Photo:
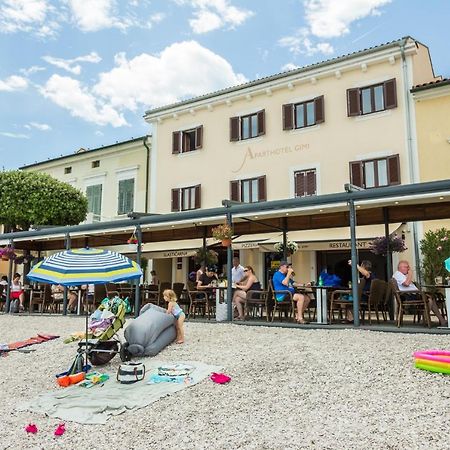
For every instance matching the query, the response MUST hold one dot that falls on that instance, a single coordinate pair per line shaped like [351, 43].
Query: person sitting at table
[237, 271]
[154, 279]
[248, 283]
[200, 271]
[207, 279]
[281, 282]
[403, 277]
[3, 285]
[17, 291]
[58, 295]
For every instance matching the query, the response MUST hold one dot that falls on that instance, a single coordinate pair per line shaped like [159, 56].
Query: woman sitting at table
[248, 283]
[365, 275]
[58, 295]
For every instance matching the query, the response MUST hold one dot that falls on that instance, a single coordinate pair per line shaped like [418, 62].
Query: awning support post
[284, 239]
[229, 274]
[68, 244]
[8, 288]
[137, 292]
[388, 259]
[354, 257]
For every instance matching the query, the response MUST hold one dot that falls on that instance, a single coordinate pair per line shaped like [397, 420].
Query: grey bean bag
[151, 332]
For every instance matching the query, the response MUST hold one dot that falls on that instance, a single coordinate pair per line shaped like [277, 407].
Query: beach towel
[96, 405]
[31, 341]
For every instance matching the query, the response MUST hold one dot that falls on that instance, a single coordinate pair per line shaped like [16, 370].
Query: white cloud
[38, 126]
[301, 43]
[27, 16]
[31, 70]
[144, 81]
[14, 135]
[149, 81]
[331, 18]
[13, 83]
[289, 66]
[211, 15]
[157, 17]
[70, 64]
[69, 94]
[99, 133]
[94, 15]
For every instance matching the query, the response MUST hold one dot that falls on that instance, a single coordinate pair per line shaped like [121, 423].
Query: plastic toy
[433, 360]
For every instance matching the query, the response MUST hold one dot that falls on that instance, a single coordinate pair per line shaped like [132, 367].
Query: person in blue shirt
[281, 282]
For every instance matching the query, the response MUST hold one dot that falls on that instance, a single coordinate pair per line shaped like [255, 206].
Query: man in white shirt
[403, 277]
[237, 272]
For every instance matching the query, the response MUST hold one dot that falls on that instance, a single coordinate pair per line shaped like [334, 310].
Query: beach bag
[221, 312]
[130, 372]
[14, 306]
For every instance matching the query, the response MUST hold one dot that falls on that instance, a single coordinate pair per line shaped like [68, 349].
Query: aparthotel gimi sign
[251, 155]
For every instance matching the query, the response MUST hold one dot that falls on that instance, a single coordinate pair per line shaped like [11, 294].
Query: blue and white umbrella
[82, 266]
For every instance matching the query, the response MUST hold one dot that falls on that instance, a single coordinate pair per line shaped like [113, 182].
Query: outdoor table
[321, 294]
[446, 289]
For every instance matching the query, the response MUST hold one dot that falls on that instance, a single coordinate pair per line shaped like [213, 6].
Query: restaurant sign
[171, 254]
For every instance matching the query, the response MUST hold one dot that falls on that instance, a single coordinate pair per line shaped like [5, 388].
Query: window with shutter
[234, 191]
[198, 201]
[356, 173]
[353, 102]
[262, 193]
[319, 110]
[94, 198]
[125, 196]
[393, 169]
[390, 94]
[288, 116]
[305, 183]
[176, 199]
[261, 123]
[176, 142]
[199, 137]
[234, 129]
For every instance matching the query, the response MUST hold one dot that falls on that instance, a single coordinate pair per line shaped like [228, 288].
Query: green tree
[435, 248]
[32, 198]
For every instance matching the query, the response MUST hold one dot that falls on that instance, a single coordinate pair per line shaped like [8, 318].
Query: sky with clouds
[81, 73]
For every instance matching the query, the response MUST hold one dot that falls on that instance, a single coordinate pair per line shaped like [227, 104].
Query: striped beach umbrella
[85, 266]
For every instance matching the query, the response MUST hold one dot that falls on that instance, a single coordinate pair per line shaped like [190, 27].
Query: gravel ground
[290, 389]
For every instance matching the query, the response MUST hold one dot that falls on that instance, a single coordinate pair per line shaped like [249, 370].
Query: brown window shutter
[311, 186]
[288, 116]
[393, 167]
[390, 94]
[175, 200]
[262, 195]
[234, 128]
[234, 191]
[356, 173]
[198, 199]
[176, 141]
[261, 122]
[300, 186]
[319, 109]
[199, 137]
[353, 102]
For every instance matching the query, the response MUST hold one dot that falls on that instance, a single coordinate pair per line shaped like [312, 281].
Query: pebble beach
[291, 389]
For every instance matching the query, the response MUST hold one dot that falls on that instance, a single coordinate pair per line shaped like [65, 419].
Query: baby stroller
[102, 344]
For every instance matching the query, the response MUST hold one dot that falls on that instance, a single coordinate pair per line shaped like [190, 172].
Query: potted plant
[223, 233]
[206, 257]
[435, 249]
[379, 246]
[7, 253]
[291, 247]
[132, 241]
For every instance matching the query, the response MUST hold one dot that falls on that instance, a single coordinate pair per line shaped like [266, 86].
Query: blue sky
[81, 73]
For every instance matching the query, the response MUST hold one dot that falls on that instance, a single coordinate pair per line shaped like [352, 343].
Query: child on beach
[174, 309]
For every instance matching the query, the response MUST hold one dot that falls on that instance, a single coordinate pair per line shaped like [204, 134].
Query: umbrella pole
[87, 318]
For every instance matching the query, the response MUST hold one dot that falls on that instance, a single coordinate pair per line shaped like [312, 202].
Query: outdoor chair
[439, 298]
[40, 297]
[286, 306]
[256, 302]
[199, 300]
[339, 302]
[376, 300]
[403, 302]
[150, 295]
[112, 290]
[183, 298]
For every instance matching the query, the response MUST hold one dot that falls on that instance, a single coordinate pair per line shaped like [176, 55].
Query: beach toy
[67, 380]
[220, 378]
[433, 360]
[31, 428]
[60, 429]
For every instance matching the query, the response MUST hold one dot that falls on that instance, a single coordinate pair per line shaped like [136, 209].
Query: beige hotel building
[304, 132]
